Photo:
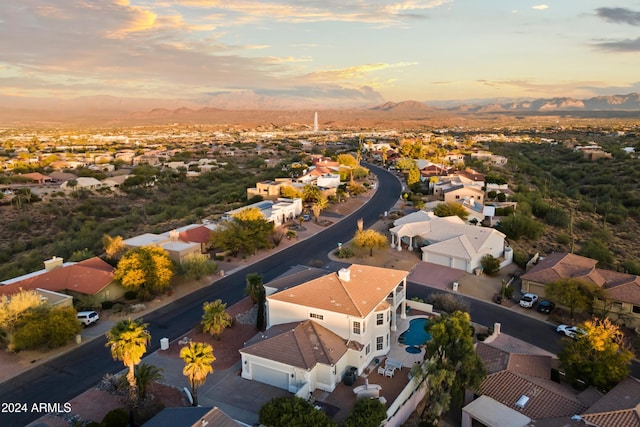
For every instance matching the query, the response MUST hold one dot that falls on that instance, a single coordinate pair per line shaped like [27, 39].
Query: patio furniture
[389, 372]
[393, 363]
[381, 370]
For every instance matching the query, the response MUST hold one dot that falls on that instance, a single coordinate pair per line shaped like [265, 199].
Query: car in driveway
[528, 300]
[570, 331]
[88, 318]
[546, 306]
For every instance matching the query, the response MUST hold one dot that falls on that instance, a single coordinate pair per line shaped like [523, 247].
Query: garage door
[270, 376]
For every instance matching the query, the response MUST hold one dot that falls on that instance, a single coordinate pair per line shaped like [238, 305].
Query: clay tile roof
[200, 234]
[622, 287]
[496, 359]
[358, 296]
[307, 344]
[546, 398]
[619, 407]
[87, 277]
[564, 266]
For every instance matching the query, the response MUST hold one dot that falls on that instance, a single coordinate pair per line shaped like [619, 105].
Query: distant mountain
[630, 102]
[403, 107]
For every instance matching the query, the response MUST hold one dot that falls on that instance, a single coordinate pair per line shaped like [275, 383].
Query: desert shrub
[631, 267]
[502, 197]
[490, 264]
[520, 258]
[130, 295]
[448, 303]
[586, 225]
[344, 252]
[118, 417]
[557, 217]
[106, 305]
[563, 239]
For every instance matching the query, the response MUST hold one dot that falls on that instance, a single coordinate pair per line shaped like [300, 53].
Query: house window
[356, 328]
[636, 309]
[367, 349]
[316, 316]
[379, 343]
[379, 319]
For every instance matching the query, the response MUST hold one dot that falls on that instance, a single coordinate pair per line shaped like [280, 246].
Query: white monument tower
[315, 122]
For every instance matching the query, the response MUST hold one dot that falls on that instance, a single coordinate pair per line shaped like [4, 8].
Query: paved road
[61, 379]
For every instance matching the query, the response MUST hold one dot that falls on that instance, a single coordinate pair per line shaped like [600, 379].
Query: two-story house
[320, 329]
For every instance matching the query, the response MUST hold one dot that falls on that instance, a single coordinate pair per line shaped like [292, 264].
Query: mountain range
[255, 109]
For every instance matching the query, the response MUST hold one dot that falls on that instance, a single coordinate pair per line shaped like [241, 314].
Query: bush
[521, 259]
[490, 264]
[106, 305]
[130, 295]
[118, 417]
[344, 252]
[448, 303]
[563, 239]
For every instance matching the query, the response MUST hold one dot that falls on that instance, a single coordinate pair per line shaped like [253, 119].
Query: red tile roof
[200, 234]
[360, 295]
[617, 408]
[307, 344]
[87, 277]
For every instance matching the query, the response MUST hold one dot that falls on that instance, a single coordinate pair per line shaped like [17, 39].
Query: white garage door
[270, 376]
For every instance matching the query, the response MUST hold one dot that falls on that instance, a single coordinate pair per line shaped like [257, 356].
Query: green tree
[347, 160]
[405, 164]
[292, 412]
[147, 270]
[127, 340]
[366, 413]
[311, 193]
[596, 357]
[46, 326]
[451, 209]
[196, 266]
[253, 286]
[596, 249]
[81, 255]
[518, 225]
[145, 375]
[215, 318]
[247, 233]
[490, 264]
[198, 363]
[260, 317]
[370, 239]
[452, 350]
[437, 381]
[575, 294]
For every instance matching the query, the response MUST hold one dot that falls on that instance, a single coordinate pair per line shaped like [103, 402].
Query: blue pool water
[415, 335]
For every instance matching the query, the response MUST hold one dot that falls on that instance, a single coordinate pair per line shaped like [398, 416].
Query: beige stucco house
[622, 303]
[317, 330]
[448, 241]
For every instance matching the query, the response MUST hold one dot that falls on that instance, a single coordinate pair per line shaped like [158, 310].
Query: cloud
[355, 72]
[628, 45]
[540, 7]
[374, 12]
[619, 15]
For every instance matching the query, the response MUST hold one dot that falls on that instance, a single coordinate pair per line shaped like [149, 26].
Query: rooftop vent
[522, 402]
[344, 274]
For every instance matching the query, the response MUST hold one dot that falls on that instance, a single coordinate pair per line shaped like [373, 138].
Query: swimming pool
[415, 335]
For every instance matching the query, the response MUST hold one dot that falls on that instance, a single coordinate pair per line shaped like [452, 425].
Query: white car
[569, 331]
[88, 317]
[528, 300]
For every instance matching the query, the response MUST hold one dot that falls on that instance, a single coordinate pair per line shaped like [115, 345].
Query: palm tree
[215, 318]
[128, 341]
[319, 205]
[198, 358]
[145, 375]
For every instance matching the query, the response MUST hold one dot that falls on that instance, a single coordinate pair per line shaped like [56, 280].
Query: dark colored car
[546, 306]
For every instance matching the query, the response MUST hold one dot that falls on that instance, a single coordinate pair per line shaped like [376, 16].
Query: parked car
[570, 331]
[546, 306]
[88, 317]
[528, 300]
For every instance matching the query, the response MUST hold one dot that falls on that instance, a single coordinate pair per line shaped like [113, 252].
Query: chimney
[496, 328]
[53, 263]
[174, 235]
[344, 274]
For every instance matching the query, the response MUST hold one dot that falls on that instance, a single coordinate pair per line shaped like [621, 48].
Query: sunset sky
[323, 50]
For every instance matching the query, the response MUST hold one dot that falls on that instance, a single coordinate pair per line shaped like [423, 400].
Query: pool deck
[398, 351]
